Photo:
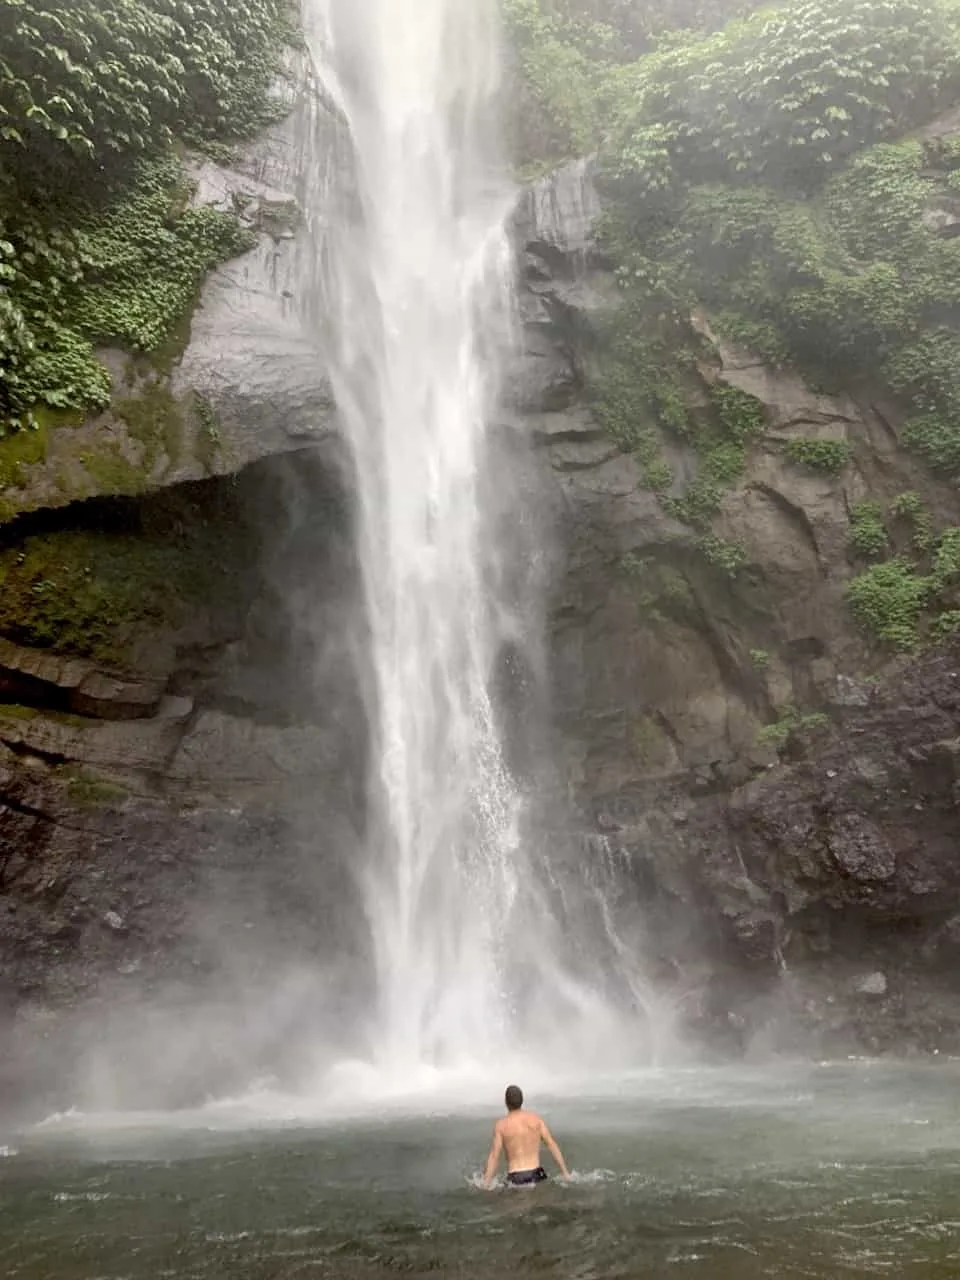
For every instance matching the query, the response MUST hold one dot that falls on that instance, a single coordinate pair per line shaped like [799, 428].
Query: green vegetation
[642, 396]
[16, 711]
[662, 590]
[910, 507]
[898, 605]
[945, 625]
[727, 556]
[576, 62]
[93, 594]
[888, 600]
[788, 723]
[89, 792]
[84, 78]
[209, 440]
[750, 172]
[829, 456]
[868, 533]
[787, 93]
[98, 242]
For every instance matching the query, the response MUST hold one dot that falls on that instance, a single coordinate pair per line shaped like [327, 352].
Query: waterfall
[480, 953]
[418, 288]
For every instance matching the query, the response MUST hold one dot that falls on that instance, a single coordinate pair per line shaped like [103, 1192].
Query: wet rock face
[176, 846]
[833, 864]
[178, 831]
[779, 873]
[33, 677]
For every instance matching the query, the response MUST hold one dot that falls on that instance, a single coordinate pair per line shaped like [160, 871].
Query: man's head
[514, 1097]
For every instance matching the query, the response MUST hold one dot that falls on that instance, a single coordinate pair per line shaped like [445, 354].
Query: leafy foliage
[910, 506]
[91, 593]
[640, 385]
[749, 173]
[789, 722]
[569, 54]
[786, 94]
[562, 74]
[868, 533]
[125, 274]
[887, 601]
[727, 556]
[854, 283]
[830, 456]
[741, 416]
[86, 78]
[97, 239]
[892, 600]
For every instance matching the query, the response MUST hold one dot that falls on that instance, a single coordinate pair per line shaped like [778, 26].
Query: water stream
[471, 963]
[418, 283]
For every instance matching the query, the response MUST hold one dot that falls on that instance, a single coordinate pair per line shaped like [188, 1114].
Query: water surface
[831, 1171]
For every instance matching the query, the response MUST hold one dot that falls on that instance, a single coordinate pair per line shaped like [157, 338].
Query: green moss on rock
[93, 594]
[87, 791]
[15, 711]
[649, 743]
[155, 418]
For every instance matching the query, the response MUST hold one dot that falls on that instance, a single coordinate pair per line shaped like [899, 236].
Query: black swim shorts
[526, 1177]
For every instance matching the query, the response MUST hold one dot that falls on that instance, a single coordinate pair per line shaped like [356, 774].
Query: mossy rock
[649, 743]
[148, 436]
[90, 792]
[97, 594]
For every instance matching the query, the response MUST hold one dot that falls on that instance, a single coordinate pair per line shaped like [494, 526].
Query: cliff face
[784, 791]
[178, 814]
[177, 802]
[180, 806]
[243, 382]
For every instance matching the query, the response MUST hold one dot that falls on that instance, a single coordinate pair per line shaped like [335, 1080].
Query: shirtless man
[521, 1133]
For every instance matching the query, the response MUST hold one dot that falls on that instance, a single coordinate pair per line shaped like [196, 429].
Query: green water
[845, 1170]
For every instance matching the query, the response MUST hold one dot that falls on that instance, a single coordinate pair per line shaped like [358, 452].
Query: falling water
[478, 956]
[418, 283]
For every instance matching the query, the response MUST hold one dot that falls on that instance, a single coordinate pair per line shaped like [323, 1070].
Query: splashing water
[418, 295]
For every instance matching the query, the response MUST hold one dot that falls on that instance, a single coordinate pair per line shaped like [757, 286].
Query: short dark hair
[514, 1097]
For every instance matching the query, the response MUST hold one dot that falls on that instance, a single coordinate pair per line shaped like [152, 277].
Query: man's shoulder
[519, 1120]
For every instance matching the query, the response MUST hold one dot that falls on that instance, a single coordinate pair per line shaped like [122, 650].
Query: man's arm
[554, 1150]
[493, 1159]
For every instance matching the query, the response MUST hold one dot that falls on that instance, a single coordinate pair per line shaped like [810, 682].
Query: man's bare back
[519, 1135]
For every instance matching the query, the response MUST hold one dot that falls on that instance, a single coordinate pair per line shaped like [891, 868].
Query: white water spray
[419, 289]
